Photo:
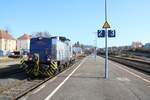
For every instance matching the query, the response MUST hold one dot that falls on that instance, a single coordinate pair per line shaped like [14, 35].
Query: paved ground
[86, 82]
[6, 62]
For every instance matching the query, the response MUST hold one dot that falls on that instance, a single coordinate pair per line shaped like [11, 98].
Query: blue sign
[111, 33]
[101, 33]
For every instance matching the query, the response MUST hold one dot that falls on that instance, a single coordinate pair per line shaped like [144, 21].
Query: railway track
[12, 69]
[24, 86]
[139, 64]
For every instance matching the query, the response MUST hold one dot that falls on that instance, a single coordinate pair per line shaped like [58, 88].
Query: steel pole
[106, 55]
[105, 10]
[106, 49]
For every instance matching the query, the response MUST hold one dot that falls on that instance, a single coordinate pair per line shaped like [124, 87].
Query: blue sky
[78, 19]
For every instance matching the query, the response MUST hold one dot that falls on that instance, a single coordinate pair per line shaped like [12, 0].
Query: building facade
[77, 50]
[7, 42]
[136, 45]
[23, 43]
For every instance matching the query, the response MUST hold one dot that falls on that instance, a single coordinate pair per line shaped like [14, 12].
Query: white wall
[23, 44]
[7, 45]
[77, 50]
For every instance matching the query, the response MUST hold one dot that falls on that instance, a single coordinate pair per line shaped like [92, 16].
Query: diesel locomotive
[48, 56]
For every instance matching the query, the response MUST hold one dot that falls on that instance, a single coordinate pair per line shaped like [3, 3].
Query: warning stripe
[29, 70]
[22, 61]
[54, 65]
[49, 73]
[52, 70]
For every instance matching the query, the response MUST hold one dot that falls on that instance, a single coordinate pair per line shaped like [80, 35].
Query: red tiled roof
[5, 35]
[24, 37]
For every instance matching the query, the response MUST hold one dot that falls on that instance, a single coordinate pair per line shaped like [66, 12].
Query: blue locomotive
[48, 55]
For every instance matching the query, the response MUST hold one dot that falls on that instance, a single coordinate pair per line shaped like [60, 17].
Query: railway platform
[86, 81]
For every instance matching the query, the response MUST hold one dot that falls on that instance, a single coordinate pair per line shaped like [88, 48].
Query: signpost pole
[106, 49]
[106, 54]
[106, 33]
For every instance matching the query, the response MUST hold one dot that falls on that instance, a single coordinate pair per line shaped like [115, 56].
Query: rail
[133, 62]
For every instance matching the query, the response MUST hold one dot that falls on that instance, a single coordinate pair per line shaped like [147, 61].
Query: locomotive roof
[62, 38]
[41, 34]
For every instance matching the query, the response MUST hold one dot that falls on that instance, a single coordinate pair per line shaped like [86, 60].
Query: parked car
[14, 54]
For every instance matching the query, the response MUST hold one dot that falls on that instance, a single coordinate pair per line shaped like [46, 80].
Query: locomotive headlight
[48, 58]
[30, 57]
